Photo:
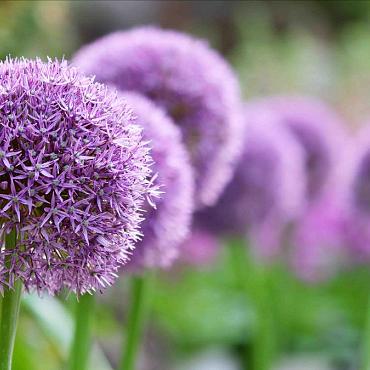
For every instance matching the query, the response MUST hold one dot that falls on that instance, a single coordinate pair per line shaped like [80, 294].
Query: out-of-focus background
[316, 47]
[200, 317]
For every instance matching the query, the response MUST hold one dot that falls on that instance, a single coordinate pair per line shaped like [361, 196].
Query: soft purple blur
[165, 227]
[268, 186]
[187, 78]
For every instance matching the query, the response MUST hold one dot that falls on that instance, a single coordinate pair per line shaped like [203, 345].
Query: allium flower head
[268, 184]
[190, 81]
[318, 129]
[356, 169]
[166, 226]
[74, 173]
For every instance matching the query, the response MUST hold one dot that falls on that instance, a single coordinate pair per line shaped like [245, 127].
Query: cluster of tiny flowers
[268, 183]
[320, 132]
[166, 226]
[74, 173]
[192, 82]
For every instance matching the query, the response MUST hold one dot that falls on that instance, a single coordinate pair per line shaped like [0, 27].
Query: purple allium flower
[318, 242]
[167, 226]
[356, 179]
[318, 129]
[74, 173]
[269, 182]
[200, 248]
[190, 81]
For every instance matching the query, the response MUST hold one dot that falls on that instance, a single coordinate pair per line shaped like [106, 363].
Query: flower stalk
[264, 342]
[81, 345]
[9, 312]
[135, 322]
[366, 341]
[253, 280]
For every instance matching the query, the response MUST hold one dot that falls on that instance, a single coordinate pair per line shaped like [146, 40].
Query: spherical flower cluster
[320, 132]
[74, 173]
[166, 226]
[268, 183]
[190, 81]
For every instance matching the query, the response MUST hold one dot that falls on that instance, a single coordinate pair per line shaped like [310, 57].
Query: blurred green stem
[366, 340]
[264, 340]
[239, 262]
[9, 312]
[81, 345]
[253, 278]
[135, 322]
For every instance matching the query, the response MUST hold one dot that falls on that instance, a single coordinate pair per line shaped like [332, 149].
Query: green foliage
[198, 308]
[203, 306]
[35, 28]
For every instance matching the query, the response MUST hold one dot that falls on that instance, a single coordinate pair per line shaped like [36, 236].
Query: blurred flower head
[268, 185]
[167, 226]
[192, 82]
[356, 167]
[319, 241]
[74, 173]
[318, 129]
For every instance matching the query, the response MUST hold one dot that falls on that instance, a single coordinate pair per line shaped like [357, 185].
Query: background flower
[166, 226]
[355, 170]
[318, 129]
[268, 184]
[190, 81]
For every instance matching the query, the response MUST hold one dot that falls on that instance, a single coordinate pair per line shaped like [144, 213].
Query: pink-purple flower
[165, 227]
[74, 174]
[355, 168]
[318, 129]
[268, 187]
[192, 82]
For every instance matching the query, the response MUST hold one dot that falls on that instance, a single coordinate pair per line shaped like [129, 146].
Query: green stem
[81, 345]
[366, 341]
[9, 312]
[135, 322]
[253, 280]
[239, 262]
[264, 343]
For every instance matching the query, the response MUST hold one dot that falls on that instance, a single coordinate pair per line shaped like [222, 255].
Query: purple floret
[168, 225]
[74, 174]
[192, 82]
